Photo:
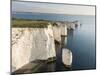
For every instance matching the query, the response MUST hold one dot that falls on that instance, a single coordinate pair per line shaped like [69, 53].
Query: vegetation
[29, 23]
[18, 22]
[54, 24]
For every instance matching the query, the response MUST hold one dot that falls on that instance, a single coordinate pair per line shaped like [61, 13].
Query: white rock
[29, 44]
[64, 30]
[57, 33]
[66, 57]
[70, 25]
[59, 30]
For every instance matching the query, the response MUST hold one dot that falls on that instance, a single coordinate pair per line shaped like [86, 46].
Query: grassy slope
[29, 23]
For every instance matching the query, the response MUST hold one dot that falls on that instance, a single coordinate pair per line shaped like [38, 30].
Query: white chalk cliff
[59, 30]
[29, 44]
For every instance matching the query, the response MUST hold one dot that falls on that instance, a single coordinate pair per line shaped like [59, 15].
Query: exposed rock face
[77, 23]
[20, 47]
[72, 25]
[66, 57]
[29, 44]
[57, 33]
[59, 30]
[64, 30]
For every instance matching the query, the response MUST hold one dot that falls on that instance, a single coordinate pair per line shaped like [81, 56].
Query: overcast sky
[52, 8]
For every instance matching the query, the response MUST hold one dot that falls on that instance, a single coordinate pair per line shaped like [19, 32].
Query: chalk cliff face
[59, 30]
[29, 44]
[57, 33]
[72, 25]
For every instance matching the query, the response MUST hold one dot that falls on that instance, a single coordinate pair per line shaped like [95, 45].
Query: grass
[29, 23]
[22, 23]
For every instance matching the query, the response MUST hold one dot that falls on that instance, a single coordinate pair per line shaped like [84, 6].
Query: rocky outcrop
[77, 23]
[29, 44]
[57, 33]
[59, 30]
[67, 57]
[60, 35]
[72, 25]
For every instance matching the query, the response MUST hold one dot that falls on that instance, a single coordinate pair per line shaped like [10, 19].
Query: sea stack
[67, 57]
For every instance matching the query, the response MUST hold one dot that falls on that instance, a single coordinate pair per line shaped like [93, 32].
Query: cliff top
[33, 23]
[29, 23]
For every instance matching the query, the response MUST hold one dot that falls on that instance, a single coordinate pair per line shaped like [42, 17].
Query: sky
[19, 6]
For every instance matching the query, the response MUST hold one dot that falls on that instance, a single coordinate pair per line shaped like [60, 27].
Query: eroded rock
[66, 57]
[29, 44]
